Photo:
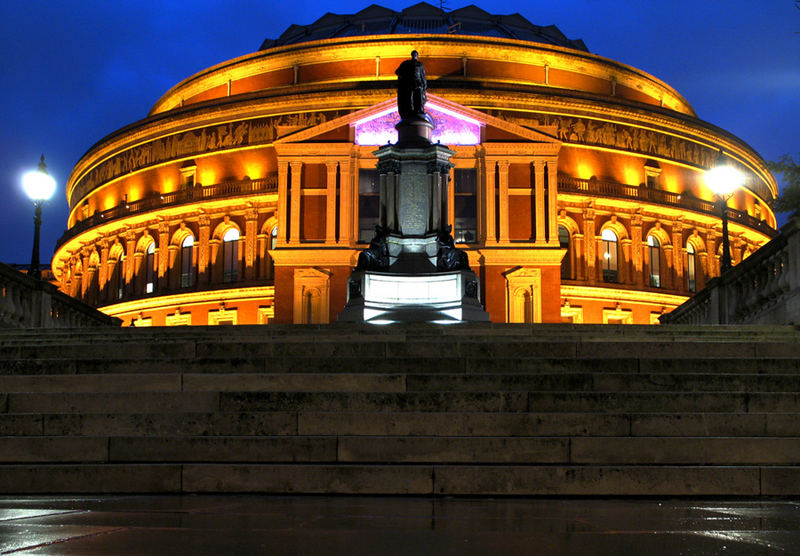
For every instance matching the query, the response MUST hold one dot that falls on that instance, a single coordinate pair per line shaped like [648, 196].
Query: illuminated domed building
[247, 192]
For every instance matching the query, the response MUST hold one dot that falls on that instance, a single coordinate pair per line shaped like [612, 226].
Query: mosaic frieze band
[265, 130]
[631, 139]
[259, 131]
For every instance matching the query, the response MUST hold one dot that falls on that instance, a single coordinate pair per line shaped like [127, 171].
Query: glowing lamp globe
[38, 185]
[724, 180]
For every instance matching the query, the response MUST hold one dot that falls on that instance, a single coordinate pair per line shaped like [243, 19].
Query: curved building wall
[573, 148]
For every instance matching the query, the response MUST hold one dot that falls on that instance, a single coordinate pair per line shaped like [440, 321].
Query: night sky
[75, 71]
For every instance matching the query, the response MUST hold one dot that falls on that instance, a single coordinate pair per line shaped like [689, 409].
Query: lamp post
[724, 180]
[39, 186]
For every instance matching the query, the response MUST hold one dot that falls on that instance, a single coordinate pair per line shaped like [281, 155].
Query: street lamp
[724, 180]
[39, 186]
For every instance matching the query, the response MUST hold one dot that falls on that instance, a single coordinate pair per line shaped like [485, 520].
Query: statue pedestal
[385, 297]
[412, 271]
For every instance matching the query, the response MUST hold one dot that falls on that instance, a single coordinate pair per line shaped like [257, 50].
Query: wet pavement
[250, 524]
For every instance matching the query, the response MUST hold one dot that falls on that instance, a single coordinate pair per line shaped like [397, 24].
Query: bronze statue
[448, 256]
[376, 256]
[411, 88]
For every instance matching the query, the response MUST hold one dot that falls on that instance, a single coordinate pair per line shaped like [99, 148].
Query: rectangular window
[465, 193]
[368, 203]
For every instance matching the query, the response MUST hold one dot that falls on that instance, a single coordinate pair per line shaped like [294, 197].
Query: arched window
[610, 256]
[654, 261]
[691, 267]
[230, 255]
[150, 268]
[566, 262]
[187, 264]
[118, 278]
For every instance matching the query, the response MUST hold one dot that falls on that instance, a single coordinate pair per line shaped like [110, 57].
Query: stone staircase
[478, 409]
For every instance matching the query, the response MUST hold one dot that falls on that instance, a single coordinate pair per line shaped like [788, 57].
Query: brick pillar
[540, 217]
[294, 210]
[502, 168]
[283, 199]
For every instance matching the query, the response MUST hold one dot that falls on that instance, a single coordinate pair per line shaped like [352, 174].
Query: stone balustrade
[762, 289]
[26, 302]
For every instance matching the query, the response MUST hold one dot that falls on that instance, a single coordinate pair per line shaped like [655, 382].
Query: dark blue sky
[74, 71]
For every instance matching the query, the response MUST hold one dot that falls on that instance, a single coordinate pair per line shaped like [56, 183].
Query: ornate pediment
[455, 125]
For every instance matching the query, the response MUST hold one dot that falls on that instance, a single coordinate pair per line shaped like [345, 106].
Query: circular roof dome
[423, 18]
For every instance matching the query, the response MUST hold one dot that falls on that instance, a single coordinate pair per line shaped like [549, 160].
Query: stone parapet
[762, 289]
[26, 302]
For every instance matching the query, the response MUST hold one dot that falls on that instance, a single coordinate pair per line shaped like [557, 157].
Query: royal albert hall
[246, 194]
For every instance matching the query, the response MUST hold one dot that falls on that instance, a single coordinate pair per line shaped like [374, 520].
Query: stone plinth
[382, 297]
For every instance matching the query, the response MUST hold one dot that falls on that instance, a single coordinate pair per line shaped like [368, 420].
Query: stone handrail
[762, 289]
[567, 184]
[26, 302]
[189, 195]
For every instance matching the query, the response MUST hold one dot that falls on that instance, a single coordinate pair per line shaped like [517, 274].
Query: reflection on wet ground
[250, 524]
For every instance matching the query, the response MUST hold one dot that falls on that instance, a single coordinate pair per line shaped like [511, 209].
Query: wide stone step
[624, 382]
[382, 423]
[492, 480]
[401, 346]
[612, 402]
[382, 450]
[396, 382]
[93, 402]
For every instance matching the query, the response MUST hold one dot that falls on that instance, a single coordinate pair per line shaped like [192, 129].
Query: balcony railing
[618, 190]
[182, 196]
[26, 302]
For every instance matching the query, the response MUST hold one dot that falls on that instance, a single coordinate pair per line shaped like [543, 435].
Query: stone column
[552, 203]
[539, 216]
[88, 274]
[204, 251]
[502, 168]
[175, 267]
[636, 259]
[591, 246]
[215, 266]
[162, 274]
[712, 262]
[283, 199]
[263, 256]
[677, 256]
[102, 274]
[330, 213]
[625, 264]
[130, 267]
[579, 270]
[294, 211]
[490, 226]
[250, 231]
